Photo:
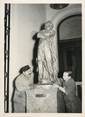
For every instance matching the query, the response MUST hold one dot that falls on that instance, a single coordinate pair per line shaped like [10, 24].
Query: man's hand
[55, 85]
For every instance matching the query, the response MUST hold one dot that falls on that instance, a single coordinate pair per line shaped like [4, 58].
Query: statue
[46, 55]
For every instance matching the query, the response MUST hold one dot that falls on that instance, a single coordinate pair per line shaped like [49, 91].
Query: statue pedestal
[42, 99]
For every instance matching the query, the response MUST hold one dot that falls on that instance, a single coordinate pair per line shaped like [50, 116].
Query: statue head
[49, 25]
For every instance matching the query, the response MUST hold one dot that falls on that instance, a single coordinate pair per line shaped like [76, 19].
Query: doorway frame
[70, 40]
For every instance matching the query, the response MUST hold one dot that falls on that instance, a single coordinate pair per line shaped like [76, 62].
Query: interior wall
[25, 22]
[51, 14]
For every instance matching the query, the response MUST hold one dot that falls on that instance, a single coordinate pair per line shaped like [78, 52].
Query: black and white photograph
[43, 58]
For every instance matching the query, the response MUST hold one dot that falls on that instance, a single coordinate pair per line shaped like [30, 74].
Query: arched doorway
[70, 46]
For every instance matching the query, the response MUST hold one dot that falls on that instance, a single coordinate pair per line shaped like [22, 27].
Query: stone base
[42, 99]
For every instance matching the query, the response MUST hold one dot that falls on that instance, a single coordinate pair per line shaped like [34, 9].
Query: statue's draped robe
[47, 62]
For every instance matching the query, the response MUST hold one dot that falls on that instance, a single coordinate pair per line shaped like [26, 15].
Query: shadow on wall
[35, 54]
[34, 60]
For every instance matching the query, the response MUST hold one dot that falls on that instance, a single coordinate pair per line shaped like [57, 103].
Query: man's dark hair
[24, 68]
[69, 73]
[60, 74]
